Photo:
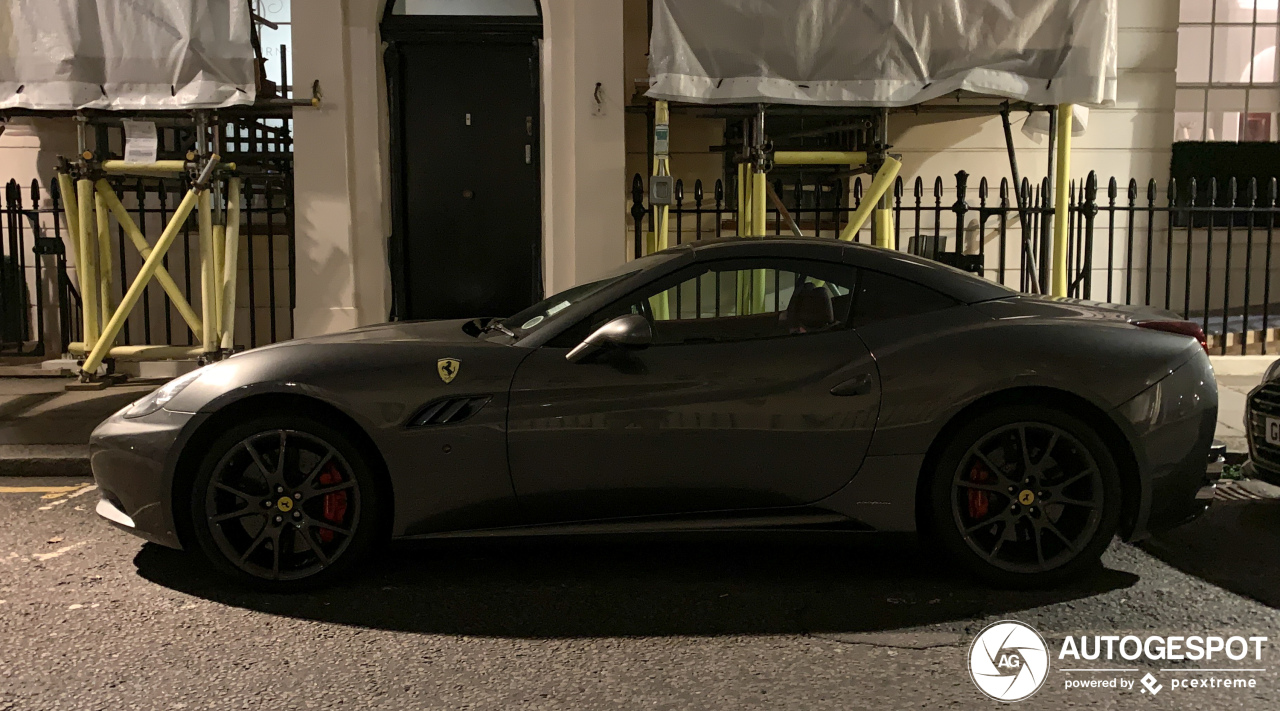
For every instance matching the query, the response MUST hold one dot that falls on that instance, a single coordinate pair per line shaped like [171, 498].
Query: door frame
[401, 30]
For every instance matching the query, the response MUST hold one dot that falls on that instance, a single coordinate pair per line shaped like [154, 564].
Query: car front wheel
[284, 503]
[1026, 496]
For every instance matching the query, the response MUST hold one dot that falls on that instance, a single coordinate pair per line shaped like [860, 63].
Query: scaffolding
[755, 156]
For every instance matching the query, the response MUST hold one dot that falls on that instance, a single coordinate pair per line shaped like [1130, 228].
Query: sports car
[728, 384]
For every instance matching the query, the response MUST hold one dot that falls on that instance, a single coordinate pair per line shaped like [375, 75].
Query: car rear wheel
[284, 503]
[1026, 497]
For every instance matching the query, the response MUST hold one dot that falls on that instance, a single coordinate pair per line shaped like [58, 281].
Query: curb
[1241, 364]
[47, 460]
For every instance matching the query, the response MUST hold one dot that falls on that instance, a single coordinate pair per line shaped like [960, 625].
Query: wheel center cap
[1027, 497]
[285, 504]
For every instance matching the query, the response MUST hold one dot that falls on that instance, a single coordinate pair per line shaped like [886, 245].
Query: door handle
[858, 385]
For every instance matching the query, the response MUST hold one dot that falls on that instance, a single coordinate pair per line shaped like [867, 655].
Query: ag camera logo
[1008, 661]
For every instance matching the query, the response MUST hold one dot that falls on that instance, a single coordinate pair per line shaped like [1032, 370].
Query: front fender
[444, 477]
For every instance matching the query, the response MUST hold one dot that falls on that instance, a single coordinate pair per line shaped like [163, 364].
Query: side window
[881, 297]
[737, 300]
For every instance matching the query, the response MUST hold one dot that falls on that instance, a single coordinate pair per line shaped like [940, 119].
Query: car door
[754, 394]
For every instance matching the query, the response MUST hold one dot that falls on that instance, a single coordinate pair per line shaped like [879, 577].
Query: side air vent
[450, 411]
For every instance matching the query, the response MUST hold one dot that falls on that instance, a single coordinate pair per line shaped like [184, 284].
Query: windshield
[542, 313]
[545, 311]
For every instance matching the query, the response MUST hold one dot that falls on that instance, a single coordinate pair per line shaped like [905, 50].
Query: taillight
[1182, 328]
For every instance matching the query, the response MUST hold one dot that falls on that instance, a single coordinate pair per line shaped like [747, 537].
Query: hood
[452, 331]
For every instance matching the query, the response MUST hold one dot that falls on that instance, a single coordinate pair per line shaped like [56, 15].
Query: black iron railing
[39, 300]
[1130, 244]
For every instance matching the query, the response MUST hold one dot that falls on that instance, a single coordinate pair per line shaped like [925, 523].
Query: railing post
[1232, 191]
[1266, 284]
[1112, 191]
[982, 223]
[960, 207]
[697, 209]
[935, 248]
[1172, 194]
[638, 212]
[1208, 252]
[719, 196]
[1191, 226]
[1004, 227]
[679, 196]
[1090, 211]
[898, 189]
[1251, 195]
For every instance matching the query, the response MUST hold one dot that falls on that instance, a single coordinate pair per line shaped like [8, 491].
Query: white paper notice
[140, 144]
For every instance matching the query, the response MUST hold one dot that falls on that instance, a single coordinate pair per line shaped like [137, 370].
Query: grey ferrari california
[729, 384]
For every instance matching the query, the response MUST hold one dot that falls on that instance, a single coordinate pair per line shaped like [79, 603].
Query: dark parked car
[731, 384]
[1262, 423]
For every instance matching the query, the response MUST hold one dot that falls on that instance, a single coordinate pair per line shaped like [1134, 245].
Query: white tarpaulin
[882, 52]
[125, 54]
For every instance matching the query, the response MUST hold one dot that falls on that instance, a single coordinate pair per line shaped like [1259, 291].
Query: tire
[1019, 526]
[291, 530]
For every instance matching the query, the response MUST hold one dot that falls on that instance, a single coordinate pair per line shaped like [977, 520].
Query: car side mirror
[631, 331]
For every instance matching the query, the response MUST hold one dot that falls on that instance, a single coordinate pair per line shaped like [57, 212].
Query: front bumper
[1264, 458]
[133, 463]
[1253, 470]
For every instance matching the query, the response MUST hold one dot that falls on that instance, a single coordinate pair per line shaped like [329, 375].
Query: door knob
[859, 385]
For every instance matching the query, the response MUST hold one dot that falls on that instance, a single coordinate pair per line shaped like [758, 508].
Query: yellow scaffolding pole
[87, 263]
[139, 353]
[70, 210]
[851, 158]
[231, 265]
[871, 201]
[99, 350]
[759, 203]
[160, 167]
[104, 259]
[208, 265]
[135, 235]
[1061, 197]
[661, 167]
[219, 259]
[883, 227]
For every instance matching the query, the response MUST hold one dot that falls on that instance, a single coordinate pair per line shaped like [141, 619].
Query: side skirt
[789, 519]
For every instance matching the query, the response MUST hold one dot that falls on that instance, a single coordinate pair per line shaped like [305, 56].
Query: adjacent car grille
[1263, 404]
[449, 411]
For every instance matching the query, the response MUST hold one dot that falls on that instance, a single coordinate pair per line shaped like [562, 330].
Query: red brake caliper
[335, 504]
[979, 501]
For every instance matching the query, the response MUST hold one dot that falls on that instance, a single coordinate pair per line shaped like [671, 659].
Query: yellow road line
[39, 489]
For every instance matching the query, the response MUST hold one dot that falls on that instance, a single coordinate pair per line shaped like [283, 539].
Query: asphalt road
[92, 618]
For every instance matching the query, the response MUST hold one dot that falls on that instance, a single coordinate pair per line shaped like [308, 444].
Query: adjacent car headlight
[161, 396]
[1273, 371]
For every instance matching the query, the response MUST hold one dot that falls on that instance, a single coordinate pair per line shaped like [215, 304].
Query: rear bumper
[1172, 425]
[132, 466]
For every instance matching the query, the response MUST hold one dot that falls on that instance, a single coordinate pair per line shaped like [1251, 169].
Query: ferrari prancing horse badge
[448, 369]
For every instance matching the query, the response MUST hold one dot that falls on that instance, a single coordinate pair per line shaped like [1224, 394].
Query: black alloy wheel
[1026, 496]
[283, 503]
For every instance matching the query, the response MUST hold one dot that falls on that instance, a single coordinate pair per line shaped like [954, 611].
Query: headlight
[160, 397]
[1272, 371]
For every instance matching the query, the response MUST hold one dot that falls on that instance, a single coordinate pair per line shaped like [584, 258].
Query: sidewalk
[44, 429]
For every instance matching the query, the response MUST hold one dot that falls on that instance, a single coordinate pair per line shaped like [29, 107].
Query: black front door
[469, 194]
